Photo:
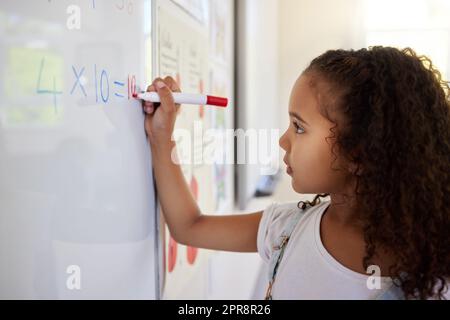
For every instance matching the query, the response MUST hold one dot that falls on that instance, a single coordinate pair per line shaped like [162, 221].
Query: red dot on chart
[191, 254]
[194, 187]
[172, 254]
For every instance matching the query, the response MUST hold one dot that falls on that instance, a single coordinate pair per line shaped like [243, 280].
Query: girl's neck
[343, 210]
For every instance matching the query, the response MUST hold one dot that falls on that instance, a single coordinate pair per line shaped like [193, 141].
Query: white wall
[309, 28]
[257, 78]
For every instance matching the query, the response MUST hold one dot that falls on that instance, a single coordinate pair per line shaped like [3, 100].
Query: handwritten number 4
[52, 91]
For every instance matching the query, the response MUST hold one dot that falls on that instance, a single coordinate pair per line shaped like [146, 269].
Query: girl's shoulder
[275, 219]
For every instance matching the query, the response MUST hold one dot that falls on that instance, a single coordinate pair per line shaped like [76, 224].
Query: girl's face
[308, 156]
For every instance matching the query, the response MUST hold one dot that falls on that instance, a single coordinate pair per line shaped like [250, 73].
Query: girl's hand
[160, 117]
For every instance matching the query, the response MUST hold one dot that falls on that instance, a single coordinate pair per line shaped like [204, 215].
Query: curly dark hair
[397, 132]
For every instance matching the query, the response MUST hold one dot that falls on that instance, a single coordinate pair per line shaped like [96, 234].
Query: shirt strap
[279, 247]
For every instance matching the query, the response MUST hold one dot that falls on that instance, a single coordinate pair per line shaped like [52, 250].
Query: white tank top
[307, 270]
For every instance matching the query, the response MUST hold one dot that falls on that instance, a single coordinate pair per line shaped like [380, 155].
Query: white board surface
[77, 200]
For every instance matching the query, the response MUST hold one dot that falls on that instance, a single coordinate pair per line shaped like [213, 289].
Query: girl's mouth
[289, 170]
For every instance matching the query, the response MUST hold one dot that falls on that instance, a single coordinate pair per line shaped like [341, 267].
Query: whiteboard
[77, 199]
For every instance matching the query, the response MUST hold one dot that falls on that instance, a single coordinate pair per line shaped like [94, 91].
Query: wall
[257, 83]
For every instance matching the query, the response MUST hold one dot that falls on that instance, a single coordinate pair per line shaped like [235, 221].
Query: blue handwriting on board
[102, 87]
[121, 84]
[119, 4]
[125, 3]
[52, 91]
[78, 76]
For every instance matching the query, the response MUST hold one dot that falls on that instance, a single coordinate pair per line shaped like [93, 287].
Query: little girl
[371, 130]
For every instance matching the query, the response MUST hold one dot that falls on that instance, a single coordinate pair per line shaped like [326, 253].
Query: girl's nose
[284, 143]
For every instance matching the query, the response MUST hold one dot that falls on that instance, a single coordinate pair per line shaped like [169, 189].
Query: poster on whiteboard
[197, 53]
[198, 9]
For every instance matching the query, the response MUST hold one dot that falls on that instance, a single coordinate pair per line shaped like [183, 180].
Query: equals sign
[120, 84]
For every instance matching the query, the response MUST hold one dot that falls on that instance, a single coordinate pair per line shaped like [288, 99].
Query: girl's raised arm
[186, 223]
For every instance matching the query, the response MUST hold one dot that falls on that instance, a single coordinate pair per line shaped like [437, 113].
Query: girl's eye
[298, 128]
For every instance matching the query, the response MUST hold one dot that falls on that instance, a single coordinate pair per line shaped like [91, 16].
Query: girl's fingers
[149, 110]
[169, 85]
[165, 96]
[149, 103]
[172, 84]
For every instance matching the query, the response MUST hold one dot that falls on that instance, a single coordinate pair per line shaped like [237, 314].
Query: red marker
[185, 98]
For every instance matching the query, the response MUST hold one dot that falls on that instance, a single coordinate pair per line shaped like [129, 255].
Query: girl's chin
[298, 188]
[295, 186]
